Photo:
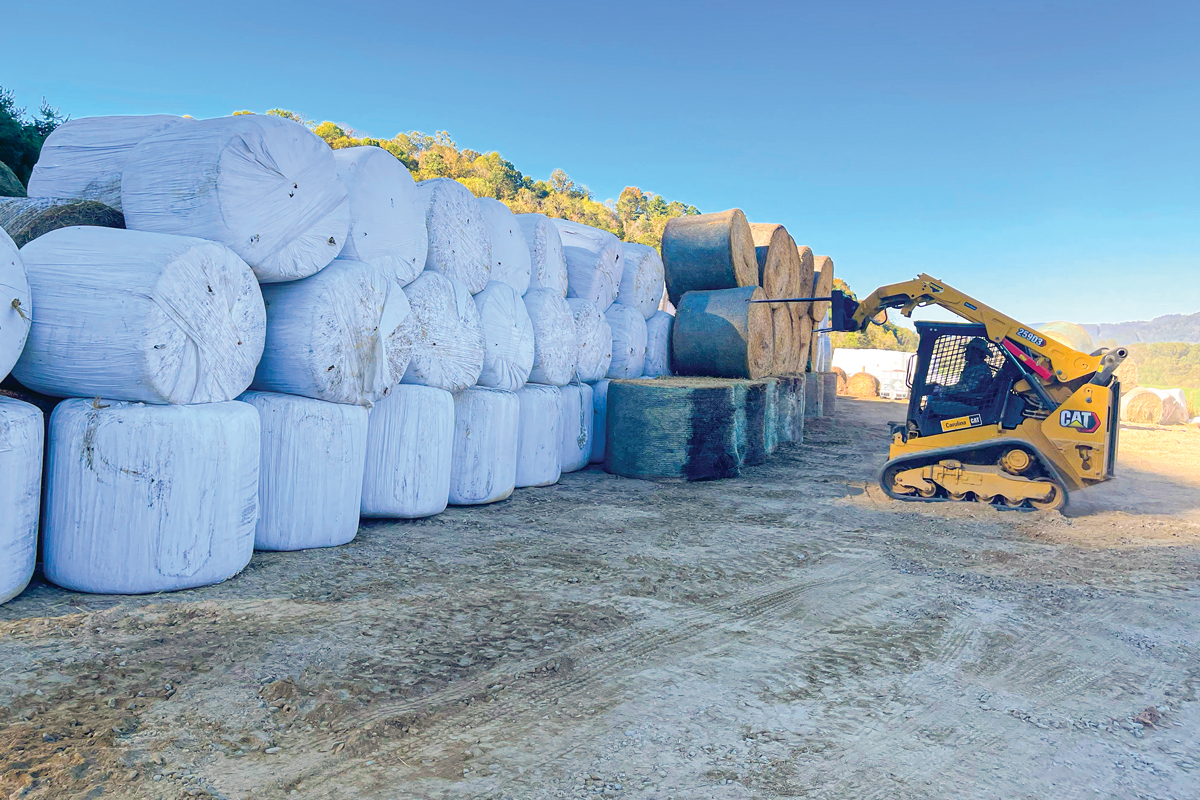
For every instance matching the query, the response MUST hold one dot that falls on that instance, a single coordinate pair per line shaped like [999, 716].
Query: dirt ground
[790, 633]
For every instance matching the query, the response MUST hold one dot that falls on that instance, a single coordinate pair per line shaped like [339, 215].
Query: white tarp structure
[16, 306]
[144, 498]
[824, 349]
[599, 420]
[554, 346]
[507, 337]
[310, 471]
[459, 247]
[387, 215]
[84, 158]
[448, 350]
[21, 428]
[410, 438]
[628, 341]
[140, 316]
[510, 252]
[594, 262]
[576, 427]
[593, 337]
[539, 435]
[344, 335]
[642, 282]
[879, 363]
[547, 265]
[265, 186]
[658, 345]
[483, 465]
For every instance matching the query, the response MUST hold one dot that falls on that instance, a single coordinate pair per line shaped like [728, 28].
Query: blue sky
[1044, 157]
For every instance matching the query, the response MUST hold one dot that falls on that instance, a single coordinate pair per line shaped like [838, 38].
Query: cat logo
[959, 423]
[1082, 421]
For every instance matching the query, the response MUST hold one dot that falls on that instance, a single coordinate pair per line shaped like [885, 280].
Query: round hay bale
[658, 345]
[629, 339]
[539, 435]
[27, 218]
[862, 384]
[641, 278]
[822, 286]
[547, 265]
[10, 184]
[459, 246]
[21, 443]
[784, 350]
[510, 252]
[16, 305]
[1146, 407]
[1070, 334]
[448, 350]
[595, 262]
[507, 337]
[594, 339]
[841, 379]
[723, 335]
[706, 252]
[410, 438]
[804, 338]
[555, 348]
[778, 260]
[578, 411]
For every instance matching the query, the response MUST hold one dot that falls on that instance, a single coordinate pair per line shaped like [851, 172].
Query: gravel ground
[790, 633]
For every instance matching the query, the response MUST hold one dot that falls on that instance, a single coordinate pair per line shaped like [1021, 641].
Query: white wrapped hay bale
[265, 186]
[577, 427]
[628, 341]
[459, 247]
[593, 338]
[511, 260]
[16, 306]
[448, 350]
[310, 471]
[149, 498]
[140, 316]
[554, 345]
[483, 465]
[547, 265]
[21, 491]
[642, 284]
[507, 337]
[84, 158]
[344, 335]
[658, 345]
[387, 216]
[599, 420]
[594, 262]
[410, 438]
[539, 436]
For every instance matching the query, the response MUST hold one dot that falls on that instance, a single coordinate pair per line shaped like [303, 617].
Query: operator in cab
[976, 375]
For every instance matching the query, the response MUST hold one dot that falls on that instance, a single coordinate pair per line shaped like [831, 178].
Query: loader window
[947, 363]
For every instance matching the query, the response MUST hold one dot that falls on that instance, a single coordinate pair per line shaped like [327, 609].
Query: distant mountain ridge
[1169, 328]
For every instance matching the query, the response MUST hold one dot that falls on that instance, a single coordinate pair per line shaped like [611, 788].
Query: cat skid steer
[998, 412]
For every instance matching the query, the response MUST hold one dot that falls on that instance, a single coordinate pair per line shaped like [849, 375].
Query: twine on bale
[862, 384]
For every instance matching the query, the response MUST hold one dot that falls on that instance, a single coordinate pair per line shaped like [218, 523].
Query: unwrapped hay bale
[666, 428]
[547, 265]
[511, 261]
[708, 251]
[777, 258]
[10, 184]
[822, 286]
[841, 379]
[861, 384]
[641, 278]
[448, 350]
[1154, 406]
[86, 157]
[387, 215]
[27, 218]
[595, 262]
[785, 351]
[723, 335]
[459, 247]
[1127, 374]
[264, 186]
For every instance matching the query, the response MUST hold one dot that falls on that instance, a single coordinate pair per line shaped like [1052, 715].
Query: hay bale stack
[27, 218]
[822, 286]
[707, 252]
[547, 265]
[10, 184]
[841, 379]
[672, 428]
[722, 335]
[862, 384]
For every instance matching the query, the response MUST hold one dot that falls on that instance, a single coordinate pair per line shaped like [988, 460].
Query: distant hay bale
[1070, 334]
[1154, 406]
[862, 384]
[841, 379]
[1145, 407]
[1127, 374]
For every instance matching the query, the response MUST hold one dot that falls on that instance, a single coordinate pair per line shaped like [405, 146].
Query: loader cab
[937, 404]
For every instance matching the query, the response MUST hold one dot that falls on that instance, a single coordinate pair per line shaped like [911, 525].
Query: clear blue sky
[1042, 156]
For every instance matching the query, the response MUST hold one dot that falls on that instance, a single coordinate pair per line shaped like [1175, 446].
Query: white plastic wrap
[410, 438]
[599, 420]
[448, 351]
[507, 337]
[483, 466]
[577, 427]
[459, 247]
[85, 157]
[539, 436]
[21, 491]
[824, 349]
[387, 215]
[658, 345]
[628, 341]
[16, 306]
[265, 186]
[547, 266]
[310, 472]
[553, 337]
[510, 253]
[140, 316]
[344, 335]
[594, 262]
[149, 498]
[642, 282]
[593, 340]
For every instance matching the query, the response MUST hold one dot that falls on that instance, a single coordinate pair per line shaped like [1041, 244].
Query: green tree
[889, 336]
[21, 137]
